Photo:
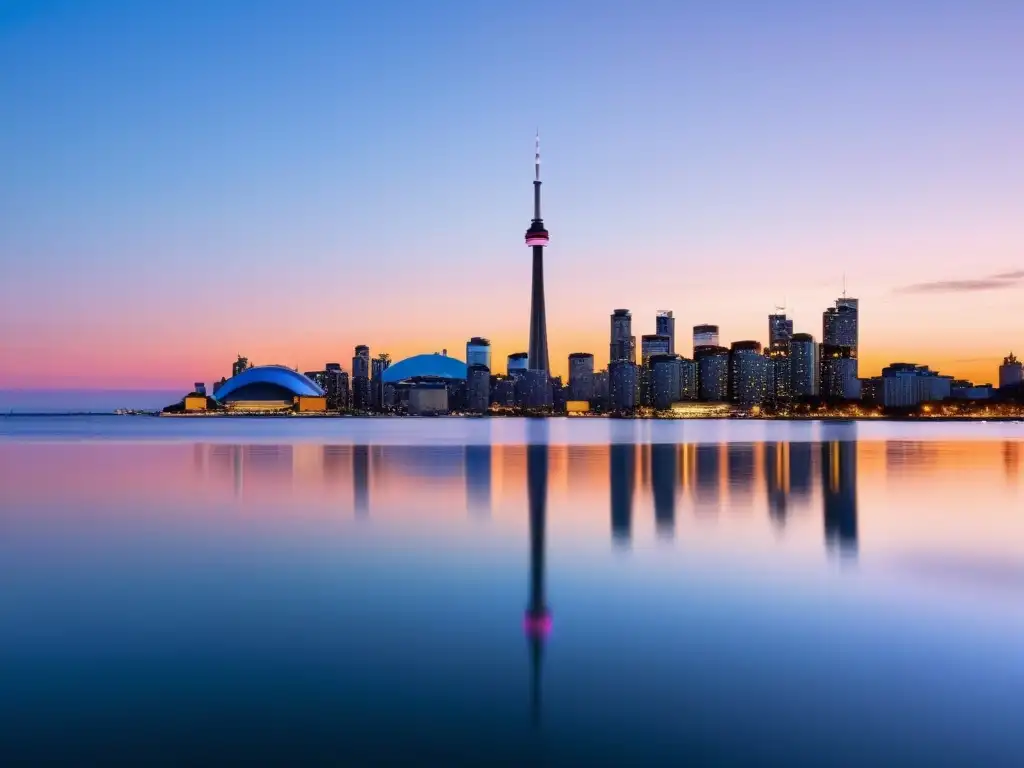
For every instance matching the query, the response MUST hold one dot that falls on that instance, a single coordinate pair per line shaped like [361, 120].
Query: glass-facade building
[478, 352]
[748, 373]
[622, 381]
[517, 364]
[654, 344]
[664, 380]
[803, 366]
[361, 363]
[665, 325]
[581, 376]
[839, 335]
[478, 379]
[622, 344]
[705, 336]
[712, 373]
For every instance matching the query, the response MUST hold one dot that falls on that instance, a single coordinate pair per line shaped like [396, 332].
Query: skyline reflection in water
[730, 601]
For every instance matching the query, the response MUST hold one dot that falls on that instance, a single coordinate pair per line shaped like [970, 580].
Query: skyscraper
[622, 344]
[665, 325]
[518, 362]
[378, 365]
[240, 365]
[839, 338]
[581, 376]
[705, 336]
[622, 385]
[654, 344]
[748, 373]
[361, 362]
[537, 239]
[478, 379]
[780, 335]
[712, 373]
[803, 357]
[664, 384]
[478, 352]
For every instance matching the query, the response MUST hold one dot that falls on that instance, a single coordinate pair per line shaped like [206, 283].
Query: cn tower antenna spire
[536, 157]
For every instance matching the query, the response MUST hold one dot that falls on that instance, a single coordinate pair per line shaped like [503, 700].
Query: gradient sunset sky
[185, 181]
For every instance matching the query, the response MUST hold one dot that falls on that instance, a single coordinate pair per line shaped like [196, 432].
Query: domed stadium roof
[266, 382]
[425, 366]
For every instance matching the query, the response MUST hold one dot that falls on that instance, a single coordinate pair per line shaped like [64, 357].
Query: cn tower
[537, 238]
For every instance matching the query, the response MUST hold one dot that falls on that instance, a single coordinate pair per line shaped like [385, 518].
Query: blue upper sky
[314, 153]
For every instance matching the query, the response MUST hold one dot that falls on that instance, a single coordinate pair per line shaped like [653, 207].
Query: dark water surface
[511, 592]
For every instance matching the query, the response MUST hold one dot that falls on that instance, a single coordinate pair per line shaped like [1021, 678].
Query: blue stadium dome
[267, 382]
[425, 367]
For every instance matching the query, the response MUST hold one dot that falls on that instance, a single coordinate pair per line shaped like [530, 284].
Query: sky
[187, 181]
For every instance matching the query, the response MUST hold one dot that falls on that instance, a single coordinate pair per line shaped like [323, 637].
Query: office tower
[518, 362]
[748, 373]
[904, 385]
[581, 376]
[362, 387]
[838, 361]
[622, 343]
[504, 391]
[665, 386]
[804, 369]
[705, 336]
[688, 386]
[537, 239]
[654, 344]
[335, 386]
[1011, 373]
[780, 330]
[712, 373]
[602, 388]
[478, 352]
[478, 378]
[665, 325]
[199, 388]
[780, 335]
[361, 363]
[378, 365]
[838, 373]
[240, 365]
[533, 390]
[622, 381]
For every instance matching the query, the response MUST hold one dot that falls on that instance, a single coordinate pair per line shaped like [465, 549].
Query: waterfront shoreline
[391, 417]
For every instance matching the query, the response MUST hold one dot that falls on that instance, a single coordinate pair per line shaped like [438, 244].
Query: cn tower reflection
[537, 622]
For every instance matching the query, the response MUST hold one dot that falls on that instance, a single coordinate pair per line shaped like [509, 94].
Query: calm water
[451, 591]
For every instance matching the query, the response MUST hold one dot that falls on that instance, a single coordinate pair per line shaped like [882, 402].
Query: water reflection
[664, 481]
[622, 468]
[478, 478]
[361, 480]
[839, 484]
[151, 580]
[538, 618]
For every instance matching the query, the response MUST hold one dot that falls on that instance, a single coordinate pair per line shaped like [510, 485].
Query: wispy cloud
[987, 283]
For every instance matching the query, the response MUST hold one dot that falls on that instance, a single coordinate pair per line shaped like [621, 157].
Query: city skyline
[165, 213]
